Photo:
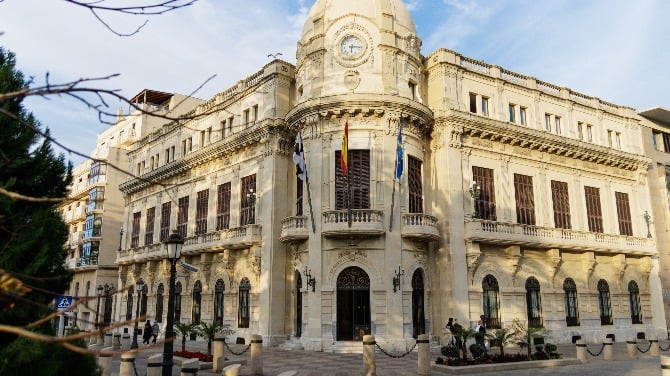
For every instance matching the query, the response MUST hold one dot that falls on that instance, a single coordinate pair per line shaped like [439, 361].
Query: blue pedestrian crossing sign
[64, 302]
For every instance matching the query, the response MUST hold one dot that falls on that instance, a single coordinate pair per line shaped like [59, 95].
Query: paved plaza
[307, 363]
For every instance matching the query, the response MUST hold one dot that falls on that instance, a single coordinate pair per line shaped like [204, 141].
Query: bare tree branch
[17, 196]
[99, 7]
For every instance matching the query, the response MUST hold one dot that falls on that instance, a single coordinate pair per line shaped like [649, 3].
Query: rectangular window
[617, 140]
[512, 113]
[525, 202]
[183, 147]
[561, 202]
[230, 124]
[182, 217]
[223, 207]
[201, 209]
[151, 164]
[246, 117]
[412, 90]
[202, 139]
[473, 103]
[656, 139]
[623, 214]
[135, 234]
[589, 132]
[557, 124]
[209, 135]
[593, 210]
[165, 220]
[485, 106]
[485, 204]
[167, 155]
[298, 196]
[358, 166]
[149, 226]
[157, 160]
[254, 113]
[223, 129]
[610, 140]
[415, 187]
[580, 130]
[547, 122]
[248, 200]
[522, 115]
[666, 142]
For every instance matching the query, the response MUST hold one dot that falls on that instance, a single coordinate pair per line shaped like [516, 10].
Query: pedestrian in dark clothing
[146, 335]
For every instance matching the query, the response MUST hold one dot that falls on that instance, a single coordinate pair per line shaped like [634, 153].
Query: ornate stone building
[517, 198]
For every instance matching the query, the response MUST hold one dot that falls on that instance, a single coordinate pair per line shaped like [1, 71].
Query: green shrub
[450, 351]
[476, 350]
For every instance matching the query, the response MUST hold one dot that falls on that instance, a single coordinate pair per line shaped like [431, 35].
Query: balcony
[235, 238]
[492, 232]
[419, 226]
[364, 222]
[87, 261]
[294, 228]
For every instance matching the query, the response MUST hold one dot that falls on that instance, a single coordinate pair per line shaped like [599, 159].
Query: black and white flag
[299, 158]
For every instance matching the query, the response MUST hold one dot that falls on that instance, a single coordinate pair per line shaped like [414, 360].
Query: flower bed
[194, 355]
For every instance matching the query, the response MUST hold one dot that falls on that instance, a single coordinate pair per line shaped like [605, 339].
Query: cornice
[515, 135]
[249, 137]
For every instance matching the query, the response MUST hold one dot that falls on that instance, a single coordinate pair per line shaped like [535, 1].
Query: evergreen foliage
[32, 238]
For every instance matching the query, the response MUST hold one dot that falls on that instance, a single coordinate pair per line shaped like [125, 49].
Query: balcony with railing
[91, 260]
[363, 222]
[235, 238]
[294, 228]
[419, 226]
[493, 232]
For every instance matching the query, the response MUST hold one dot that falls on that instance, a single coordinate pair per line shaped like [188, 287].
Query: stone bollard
[631, 346]
[108, 339]
[653, 346]
[369, 366]
[231, 370]
[105, 361]
[256, 354]
[127, 364]
[154, 364]
[190, 367]
[581, 350]
[219, 356]
[608, 351]
[665, 365]
[116, 343]
[125, 341]
[424, 354]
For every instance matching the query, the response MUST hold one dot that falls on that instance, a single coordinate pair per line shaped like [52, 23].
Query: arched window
[218, 301]
[634, 296]
[129, 304]
[571, 304]
[604, 303]
[76, 290]
[177, 302]
[197, 301]
[491, 302]
[244, 300]
[143, 300]
[533, 303]
[159, 302]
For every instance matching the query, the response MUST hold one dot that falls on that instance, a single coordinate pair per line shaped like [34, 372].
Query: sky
[616, 50]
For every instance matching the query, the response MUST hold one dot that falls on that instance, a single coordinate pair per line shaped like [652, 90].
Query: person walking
[146, 335]
[154, 331]
[480, 335]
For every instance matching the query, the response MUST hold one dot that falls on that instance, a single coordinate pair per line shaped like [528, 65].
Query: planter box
[482, 368]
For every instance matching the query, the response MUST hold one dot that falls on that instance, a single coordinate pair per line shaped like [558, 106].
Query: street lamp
[97, 308]
[140, 286]
[475, 192]
[120, 238]
[173, 247]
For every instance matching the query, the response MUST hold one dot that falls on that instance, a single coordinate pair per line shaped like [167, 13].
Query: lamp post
[120, 238]
[97, 308]
[475, 192]
[173, 246]
[140, 286]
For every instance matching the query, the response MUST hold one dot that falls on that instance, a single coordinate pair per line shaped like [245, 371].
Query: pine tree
[32, 238]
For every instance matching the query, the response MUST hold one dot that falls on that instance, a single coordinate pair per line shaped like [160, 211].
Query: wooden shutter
[149, 228]
[248, 203]
[298, 196]
[525, 202]
[623, 214]
[485, 204]
[415, 186]
[593, 210]
[223, 207]
[182, 217]
[165, 220]
[561, 202]
[359, 180]
[135, 237]
[201, 211]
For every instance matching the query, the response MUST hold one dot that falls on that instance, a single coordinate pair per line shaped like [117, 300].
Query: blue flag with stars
[399, 163]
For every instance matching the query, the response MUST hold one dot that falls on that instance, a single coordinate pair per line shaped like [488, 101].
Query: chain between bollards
[599, 352]
[233, 352]
[395, 356]
[643, 351]
[663, 349]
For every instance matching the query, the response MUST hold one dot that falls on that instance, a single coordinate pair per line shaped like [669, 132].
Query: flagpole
[348, 197]
[309, 201]
[395, 171]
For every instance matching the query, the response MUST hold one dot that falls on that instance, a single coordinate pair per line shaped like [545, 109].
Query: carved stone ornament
[352, 79]
[255, 262]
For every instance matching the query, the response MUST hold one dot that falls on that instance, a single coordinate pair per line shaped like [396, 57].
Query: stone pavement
[307, 363]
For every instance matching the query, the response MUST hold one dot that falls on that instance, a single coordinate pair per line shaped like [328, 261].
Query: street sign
[64, 302]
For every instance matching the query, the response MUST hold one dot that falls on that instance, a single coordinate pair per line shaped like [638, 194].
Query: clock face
[351, 45]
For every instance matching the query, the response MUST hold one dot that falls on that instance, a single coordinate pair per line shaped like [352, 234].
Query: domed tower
[361, 231]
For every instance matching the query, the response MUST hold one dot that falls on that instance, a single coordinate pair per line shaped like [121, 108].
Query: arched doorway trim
[353, 304]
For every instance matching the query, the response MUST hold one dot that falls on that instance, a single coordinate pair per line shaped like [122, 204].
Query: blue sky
[616, 50]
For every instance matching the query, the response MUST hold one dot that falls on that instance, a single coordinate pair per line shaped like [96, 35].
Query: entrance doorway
[418, 311]
[353, 304]
[298, 304]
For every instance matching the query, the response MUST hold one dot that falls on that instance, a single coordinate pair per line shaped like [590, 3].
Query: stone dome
[331, 10]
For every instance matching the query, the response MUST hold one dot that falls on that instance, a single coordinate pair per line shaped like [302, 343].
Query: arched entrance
[418, 311]
[353, 304]
[298, 304]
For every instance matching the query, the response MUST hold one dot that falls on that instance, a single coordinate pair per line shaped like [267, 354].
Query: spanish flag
[345, 149]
